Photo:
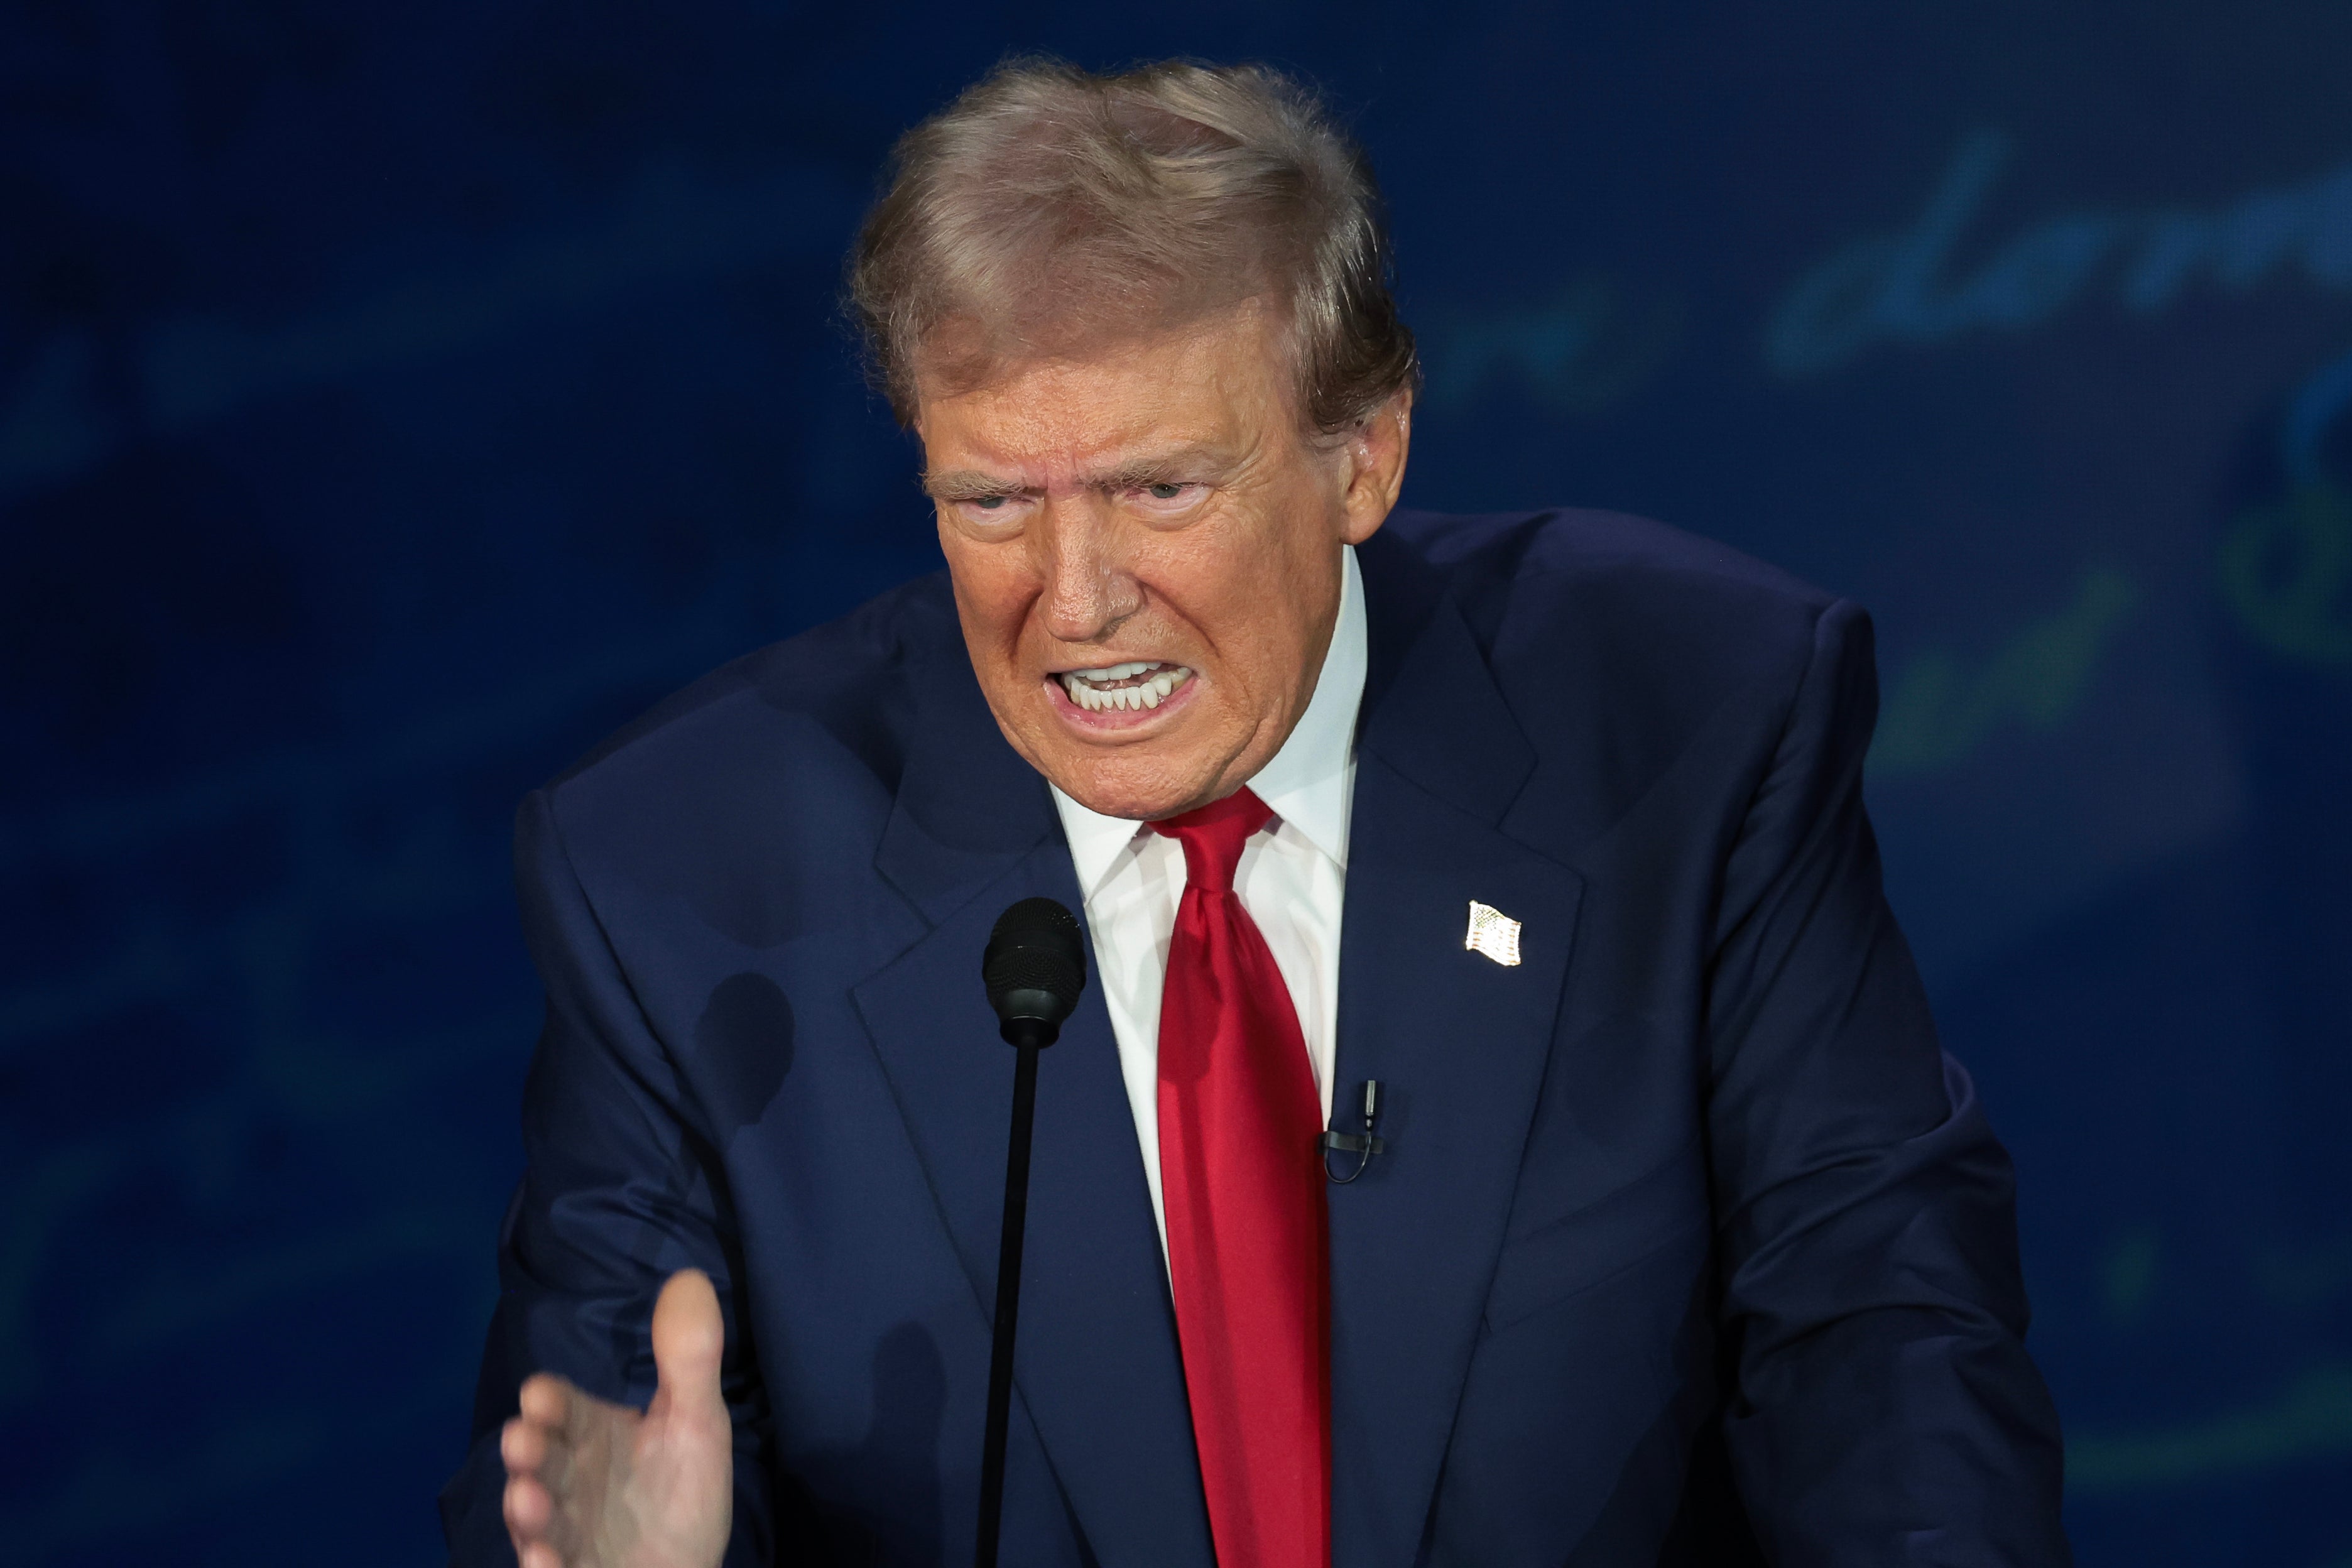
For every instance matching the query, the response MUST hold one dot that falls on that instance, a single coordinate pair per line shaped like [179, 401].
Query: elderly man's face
[1146, 553]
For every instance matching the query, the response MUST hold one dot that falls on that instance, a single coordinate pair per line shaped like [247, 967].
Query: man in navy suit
[1682, 1242]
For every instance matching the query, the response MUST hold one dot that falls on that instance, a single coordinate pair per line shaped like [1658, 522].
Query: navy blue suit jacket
[1688, 1243]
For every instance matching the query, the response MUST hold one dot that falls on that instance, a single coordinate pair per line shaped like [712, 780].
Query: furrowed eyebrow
[963, 485]
[1191, 466]
[1136, 476]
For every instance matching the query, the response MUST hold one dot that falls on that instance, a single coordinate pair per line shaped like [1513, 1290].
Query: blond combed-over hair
[1049, 209]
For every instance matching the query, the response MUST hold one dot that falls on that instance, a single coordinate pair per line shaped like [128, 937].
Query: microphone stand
[1027, 1036]
[1035, 967]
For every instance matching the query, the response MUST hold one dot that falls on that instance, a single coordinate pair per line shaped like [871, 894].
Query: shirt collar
[1305, 784]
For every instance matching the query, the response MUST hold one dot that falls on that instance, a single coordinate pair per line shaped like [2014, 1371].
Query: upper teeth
[1085, 688]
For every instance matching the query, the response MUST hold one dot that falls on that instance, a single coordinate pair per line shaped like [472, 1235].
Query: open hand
[592, 1484]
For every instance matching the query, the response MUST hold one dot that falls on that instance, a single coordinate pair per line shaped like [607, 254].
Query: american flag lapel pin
[1493, 933]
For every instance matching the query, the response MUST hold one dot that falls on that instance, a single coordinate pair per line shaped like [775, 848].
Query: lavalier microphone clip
[1363, 1145]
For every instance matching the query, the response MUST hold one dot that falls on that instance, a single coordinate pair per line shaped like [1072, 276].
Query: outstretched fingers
[538, 1450]
[591, 1481]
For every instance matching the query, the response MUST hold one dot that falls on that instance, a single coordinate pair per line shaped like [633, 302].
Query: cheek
[991, 631]
[1246, 634]
[994, 610]
[1270, 626]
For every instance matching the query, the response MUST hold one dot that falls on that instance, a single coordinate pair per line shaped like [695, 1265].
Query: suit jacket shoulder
[851, 679]
[1618, 642]
[762, 792]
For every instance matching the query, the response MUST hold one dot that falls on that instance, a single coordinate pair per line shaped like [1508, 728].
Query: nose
[1089, 590]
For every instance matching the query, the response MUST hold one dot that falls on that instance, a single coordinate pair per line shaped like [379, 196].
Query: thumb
[688, 1335]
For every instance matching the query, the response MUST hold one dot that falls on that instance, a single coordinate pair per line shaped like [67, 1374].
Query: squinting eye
[1164, 490]
[988, 503]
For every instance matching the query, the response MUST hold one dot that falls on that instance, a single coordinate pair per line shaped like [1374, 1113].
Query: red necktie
[1246, 1247]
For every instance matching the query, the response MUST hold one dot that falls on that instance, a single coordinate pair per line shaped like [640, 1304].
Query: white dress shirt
[1290, 879]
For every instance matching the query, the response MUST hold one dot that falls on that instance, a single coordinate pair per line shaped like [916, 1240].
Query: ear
[1374, 454]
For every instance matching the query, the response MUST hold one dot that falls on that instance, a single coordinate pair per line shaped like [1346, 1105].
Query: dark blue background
[394, 399]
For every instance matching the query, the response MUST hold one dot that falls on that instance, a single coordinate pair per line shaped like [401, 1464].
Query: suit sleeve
[1884, 1409]
[621, 1189]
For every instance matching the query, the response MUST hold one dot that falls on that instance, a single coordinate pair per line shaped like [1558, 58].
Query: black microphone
[1035, 967]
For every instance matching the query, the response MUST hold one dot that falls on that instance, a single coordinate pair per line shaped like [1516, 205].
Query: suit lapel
[972, 830]
[1459, 1044]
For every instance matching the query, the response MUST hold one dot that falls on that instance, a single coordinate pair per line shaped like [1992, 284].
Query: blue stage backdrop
[393, 399]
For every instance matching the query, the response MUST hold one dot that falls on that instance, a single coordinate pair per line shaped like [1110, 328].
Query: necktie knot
[1212, 837]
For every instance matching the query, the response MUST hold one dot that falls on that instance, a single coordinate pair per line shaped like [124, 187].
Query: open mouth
[1135, 685]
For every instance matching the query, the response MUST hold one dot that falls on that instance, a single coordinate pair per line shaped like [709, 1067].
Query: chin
[1137, 805]
[1116, 791]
